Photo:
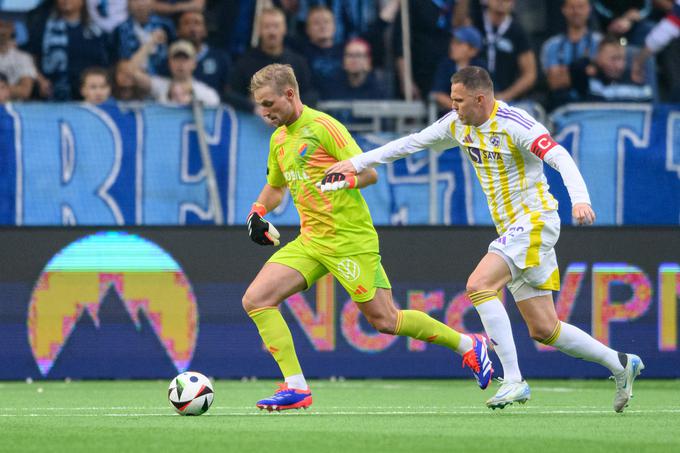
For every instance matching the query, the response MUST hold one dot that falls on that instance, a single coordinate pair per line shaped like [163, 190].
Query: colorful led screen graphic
[102, 305]
[143, 276]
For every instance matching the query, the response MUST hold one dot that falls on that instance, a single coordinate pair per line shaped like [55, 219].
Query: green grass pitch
[349, 416]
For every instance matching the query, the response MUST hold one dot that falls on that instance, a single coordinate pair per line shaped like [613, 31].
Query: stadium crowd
[551, 52]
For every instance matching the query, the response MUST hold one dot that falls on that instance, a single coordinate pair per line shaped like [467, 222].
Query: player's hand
[261, 231]
[337, 181]
[344, 166]
[583, 214]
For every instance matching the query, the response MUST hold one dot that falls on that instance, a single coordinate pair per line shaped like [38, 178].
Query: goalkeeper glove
[259, 230]
[337, 181]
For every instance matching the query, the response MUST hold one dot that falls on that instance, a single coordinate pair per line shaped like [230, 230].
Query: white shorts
[527, 248]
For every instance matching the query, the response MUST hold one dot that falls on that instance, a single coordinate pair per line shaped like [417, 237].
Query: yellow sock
[277, 338]
[421, 326]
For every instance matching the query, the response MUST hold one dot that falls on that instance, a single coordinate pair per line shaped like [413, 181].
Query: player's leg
[377, 306]
[544, 326]
[287, 272]
[386, 318]
[272, 285]
[489, 277]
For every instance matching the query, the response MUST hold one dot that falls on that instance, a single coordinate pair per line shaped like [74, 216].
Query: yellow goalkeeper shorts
[360, 274]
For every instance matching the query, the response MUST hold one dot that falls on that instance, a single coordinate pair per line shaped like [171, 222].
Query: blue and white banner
[73, 164]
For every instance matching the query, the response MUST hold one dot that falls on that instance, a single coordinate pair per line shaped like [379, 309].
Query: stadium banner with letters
[117, 164]
[149, 302]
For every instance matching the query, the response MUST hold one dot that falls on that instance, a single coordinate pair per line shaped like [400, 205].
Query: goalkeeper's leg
[386, 318]
[274, 283]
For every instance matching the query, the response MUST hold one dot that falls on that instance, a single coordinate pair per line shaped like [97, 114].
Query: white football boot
[508, 393]
[624, 380]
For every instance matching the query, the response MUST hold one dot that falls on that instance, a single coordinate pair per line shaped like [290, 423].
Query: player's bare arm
[270, 197]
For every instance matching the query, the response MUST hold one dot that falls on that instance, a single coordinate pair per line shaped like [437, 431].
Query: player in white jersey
[507, 148]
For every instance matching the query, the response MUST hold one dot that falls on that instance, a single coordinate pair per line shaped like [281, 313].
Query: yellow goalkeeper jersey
[336, 223]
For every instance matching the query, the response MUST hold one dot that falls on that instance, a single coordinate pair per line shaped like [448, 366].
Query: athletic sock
[573, 341]
[279, 342]
[421, 326]
[297, 381]
[497, 326]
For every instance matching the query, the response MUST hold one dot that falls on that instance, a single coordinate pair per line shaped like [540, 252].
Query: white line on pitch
[361, 413]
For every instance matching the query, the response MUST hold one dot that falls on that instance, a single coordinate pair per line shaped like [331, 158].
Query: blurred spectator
[464, 48]
[124, 86]
[180, 93]
[664, 33]
[174, 7]
[323, 55]
[625, 18]
[353, 18]
[212, 64]
[607, 78]
[430, 29]
[272, 28]
[15, 65]
[561, 50]
[182, 63]
[95, 85]
[137, 29]
[64, 44]
[4, 89]
[356, 80]
[509, 58]
[230, 25]
[107, 14]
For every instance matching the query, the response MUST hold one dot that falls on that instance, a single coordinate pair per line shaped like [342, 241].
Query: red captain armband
[542, 145]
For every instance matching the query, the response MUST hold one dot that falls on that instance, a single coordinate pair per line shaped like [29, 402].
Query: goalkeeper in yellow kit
[336, 236]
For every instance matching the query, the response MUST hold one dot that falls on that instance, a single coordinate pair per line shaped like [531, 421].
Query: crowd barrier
[149, 302]
[74, 164]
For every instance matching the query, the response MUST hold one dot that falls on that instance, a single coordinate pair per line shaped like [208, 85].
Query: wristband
[259, 208]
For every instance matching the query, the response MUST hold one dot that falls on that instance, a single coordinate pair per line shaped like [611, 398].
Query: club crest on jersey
[302, 150]
[349, 269]
[495, 140]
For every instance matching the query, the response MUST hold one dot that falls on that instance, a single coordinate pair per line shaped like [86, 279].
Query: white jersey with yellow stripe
[506, 152]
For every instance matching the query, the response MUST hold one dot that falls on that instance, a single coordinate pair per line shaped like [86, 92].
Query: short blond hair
[277, 76]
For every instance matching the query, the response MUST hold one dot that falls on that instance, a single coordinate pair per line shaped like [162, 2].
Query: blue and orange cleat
[286, 398]
[477, 359]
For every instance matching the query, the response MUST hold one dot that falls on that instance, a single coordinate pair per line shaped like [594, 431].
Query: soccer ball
[190, 393]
